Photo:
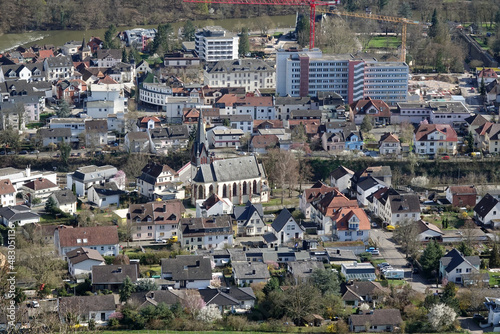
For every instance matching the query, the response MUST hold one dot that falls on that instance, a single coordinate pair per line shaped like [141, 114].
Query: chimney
[152, 295]
[119, 269]
[28, 171]
[244, 248]
[142, 209]
[164, 207]
[197, 263]
[276, 248]
[253, 272]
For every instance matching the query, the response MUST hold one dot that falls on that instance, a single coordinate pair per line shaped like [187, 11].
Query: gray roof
[107, 189]
[64, 196]
[17, 213]
[114, 274]
[57, 132]
[485, 205]
[240, 65]
[369, 182]
[454, 258]
[114, 53]
[245, 212]
[230, 170]
[187, 267]
[304, 269]
[60, 61]
[289, 100]
[143, 299]
[83, 305]
[250, 270]
[94, 173]
[305, 113]
[379, 317]
[280, 221]
[83, 254]
[340, 172]
[217, 297]
[455, 107]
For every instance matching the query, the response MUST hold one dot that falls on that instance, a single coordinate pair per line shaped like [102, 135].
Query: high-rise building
[215, 43]
[307, 72]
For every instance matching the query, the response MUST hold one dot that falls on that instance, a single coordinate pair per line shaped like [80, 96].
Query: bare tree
[406, 236]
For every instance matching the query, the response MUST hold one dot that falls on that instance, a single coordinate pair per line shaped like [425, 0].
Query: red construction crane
[311, 3]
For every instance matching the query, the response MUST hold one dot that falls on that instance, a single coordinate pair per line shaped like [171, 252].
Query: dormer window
[78, 241]
[85, 241]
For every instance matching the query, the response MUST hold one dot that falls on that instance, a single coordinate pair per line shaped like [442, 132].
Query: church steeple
[199, 153]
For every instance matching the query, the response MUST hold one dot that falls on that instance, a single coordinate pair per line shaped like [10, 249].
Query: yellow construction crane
[384, 18]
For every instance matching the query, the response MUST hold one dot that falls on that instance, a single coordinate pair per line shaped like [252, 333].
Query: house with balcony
[395, 207]
[350, 224]
[60, 67]
[84, 177]
[432, 139]
[157, 180]
[286, 229]
[389, 144]
[111, 277]
[155, 220]
[213, 43]
[104, 239]
[378, 110]
[206, 232]
[311, 194]
[250, 220]
[222, 137]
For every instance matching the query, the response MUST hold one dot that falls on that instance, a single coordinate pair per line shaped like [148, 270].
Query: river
[59, 37]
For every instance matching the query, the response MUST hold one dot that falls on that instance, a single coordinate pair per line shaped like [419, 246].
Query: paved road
[390, 252]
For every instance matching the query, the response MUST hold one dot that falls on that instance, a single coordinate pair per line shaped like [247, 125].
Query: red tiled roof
[191, 112]
[343, 215]
[40, 184]
[265, 123]
[360, 107]
[389, 138]
[146, 119]
[264, 141]
[487, 73]
[6, 187]
[96, 235]
[228, 99]
[107, 80]
[313, 193]
[42, 54]
[463, 190]
[311, 125]
[422, 132]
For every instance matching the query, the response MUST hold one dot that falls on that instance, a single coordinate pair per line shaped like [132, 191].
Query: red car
[446, 157]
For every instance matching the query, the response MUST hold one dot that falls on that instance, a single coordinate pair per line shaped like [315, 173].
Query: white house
[104, 239]
[156, 179]
[84, 177]
[18, 215]
[431, 139]
[493, 306]
[367, 186]
[105, 195]
[96, 307]
[82, 259]
[207, 233]
[358, 271]
[395, 207]
[351, 224]
[454, 265]
[428, 231]
[40, 188]
[341, 179]
[215, 43]
[65, 200]
[221, 137]
[187, 271]
[487, 211]
[7, 193]
[250, 272]
[250, 220]
[213, 206]
[285, 228]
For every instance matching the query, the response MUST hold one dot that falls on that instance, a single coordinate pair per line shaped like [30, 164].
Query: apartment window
[459, 271]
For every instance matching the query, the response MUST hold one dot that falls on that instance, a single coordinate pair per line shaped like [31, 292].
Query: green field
[384, 42]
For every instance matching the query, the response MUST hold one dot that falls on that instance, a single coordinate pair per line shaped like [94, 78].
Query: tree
[110, 41]
[125, 56]
[482, 88]
[301, 300]
[209, 314]
[126, 290]
[435, 28]
[326, 281]
[271, 285]
[366, 125]
[469, 142]
[303, 30]
[281, 167]
[243, 43]
[63, 110]
[146, 285]
[193, 303]
[336, 36]
[495, 257]
[406, 236]
[430, 258]
[464, 249]
[162, 42]
[50, 205]
[449, 296]
[382, 4]
[189, 31]
[65, 151]
[441, 317]
[305, 172]
[405, 10]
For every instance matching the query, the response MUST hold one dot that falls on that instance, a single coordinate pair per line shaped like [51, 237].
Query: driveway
[472, 326]
[390, 252]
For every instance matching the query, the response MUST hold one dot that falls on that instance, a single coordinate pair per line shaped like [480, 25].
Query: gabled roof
[360, 107]
[107, 189]
[281, 220]
[83, 305]
[153, 298]
[152, 171]
[114, 274]
[64, 196]
[216, 297]
[389, 138]
[230, 170]
[358, 289]
[368, 182]
[490, 129]
[17, 213]
[88, 236]
[264, 141]
[83, 254]
[304, 269]
[379, 317]
[485, 205]
[6, 187]
[187, 267]
[212, 200]
[454, 258]
[463, 190]
[487, 73]
[476, 120]
[107, 80]
[340, 172]
[114, 53]
[215, 225]
[250, 270]
[424, 226]
[245, 212]
[164, 212]
[40, 184]
[424, 130]
[319, 188]
[343, 216]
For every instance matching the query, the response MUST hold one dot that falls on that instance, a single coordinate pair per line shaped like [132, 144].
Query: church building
[240, 179]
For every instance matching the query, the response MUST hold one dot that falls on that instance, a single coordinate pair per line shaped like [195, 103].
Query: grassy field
[494, 278]
[454, 219]
[384, 42]
[481, 42]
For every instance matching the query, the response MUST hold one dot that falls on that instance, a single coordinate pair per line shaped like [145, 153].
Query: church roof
[230, 170]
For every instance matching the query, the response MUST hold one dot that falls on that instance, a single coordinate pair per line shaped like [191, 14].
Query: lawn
[286, 201]
[394, 282]
[46, 218]
[384, 42]
[454, 219]
[494, 278]
[480, 41]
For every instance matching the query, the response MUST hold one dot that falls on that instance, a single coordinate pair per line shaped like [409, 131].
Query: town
[250, 181]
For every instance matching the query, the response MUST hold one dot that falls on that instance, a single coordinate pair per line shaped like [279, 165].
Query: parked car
[446, 157]
[35, 152]
[23, 152]
[11, 153]
[383, 264]
[34, 304]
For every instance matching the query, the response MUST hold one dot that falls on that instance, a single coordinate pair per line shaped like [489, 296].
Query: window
[459, 271]
[78, 241]
[102, 248]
